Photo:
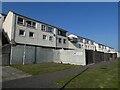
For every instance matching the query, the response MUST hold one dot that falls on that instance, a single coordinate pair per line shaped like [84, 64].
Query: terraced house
[81, 42]
[23, 30]
[27, 41]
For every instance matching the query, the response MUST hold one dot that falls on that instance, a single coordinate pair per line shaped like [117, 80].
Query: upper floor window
[45, 37]
[64, 41]
[50, 29]
[51, 38]
[22, 32]
[62, 33]
[87, 42]
[81, 40]
[31, 24]
[20, 20]
[43, 27]
[31, 34]
[60, 40]
[92, 43]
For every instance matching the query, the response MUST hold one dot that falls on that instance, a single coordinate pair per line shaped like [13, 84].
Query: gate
[89, 56]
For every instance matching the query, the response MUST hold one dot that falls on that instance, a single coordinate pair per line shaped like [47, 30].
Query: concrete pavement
[10, 73]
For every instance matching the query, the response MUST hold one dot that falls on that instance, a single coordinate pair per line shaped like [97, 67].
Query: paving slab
[10, 73]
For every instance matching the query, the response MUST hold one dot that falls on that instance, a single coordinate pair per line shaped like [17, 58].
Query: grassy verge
[100, 77]
[43, 68]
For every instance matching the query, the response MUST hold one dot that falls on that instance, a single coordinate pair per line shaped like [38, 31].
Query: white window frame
[51, 28]
[45, 38]
[44, 28]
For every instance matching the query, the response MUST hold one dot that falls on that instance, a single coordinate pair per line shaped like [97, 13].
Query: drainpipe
[56, 41]
[35, 54]
[24, 55]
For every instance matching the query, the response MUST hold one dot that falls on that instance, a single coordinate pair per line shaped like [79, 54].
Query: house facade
[23, 30]
[81, 42]
[104, 48]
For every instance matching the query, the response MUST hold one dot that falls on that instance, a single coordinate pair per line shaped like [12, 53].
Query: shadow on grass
[73, 78]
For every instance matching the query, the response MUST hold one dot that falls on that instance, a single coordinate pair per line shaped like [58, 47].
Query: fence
[5, 55]
[96, 57]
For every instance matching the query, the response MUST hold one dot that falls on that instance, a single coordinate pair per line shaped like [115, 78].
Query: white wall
[76, 57]
[118, 54]
[8, 24]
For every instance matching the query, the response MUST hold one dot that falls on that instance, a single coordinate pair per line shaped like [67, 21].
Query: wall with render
[31, 54]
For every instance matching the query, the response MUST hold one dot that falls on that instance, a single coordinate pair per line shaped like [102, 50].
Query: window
[45, 37]
[20, 21]
[87, 41]
[50, 29]
[81, 40]
[60, 40]
[43, 27]
[31, 24]
[28, 23]
[62, 33]
[92, 43]
[31, 34]
[79, 45]
[50, 38]
[22, 32]
[64, 41]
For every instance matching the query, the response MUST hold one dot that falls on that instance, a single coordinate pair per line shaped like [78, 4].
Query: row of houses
[20, 32]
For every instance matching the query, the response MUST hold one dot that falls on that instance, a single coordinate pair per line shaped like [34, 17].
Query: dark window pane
[43, 27]
[31, 34]
[64, 41]
[50, 29]
[21, 32]
[45, 37]
[60, 40]
[20, 20]
[50, 38]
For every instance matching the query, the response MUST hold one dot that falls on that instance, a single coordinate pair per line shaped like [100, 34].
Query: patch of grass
[42, 68]
[100, 77]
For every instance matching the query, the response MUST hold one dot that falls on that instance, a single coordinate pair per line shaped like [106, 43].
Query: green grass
[100, 77]
[43, 68]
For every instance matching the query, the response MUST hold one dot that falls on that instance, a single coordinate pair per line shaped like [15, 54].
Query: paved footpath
[10, 73]
[48, 80]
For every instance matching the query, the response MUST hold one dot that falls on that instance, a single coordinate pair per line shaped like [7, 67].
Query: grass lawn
[100, 77]
[43, 68]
